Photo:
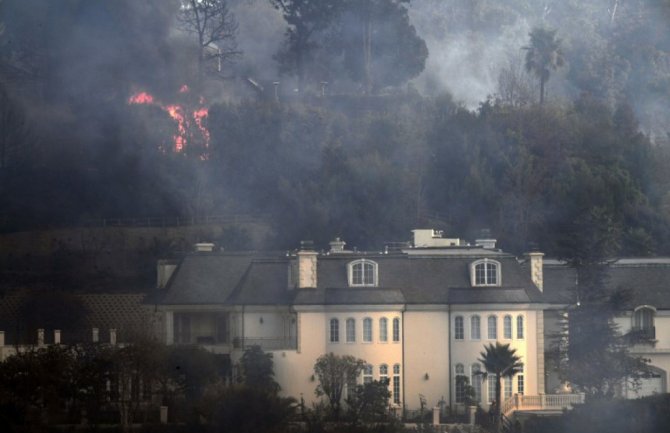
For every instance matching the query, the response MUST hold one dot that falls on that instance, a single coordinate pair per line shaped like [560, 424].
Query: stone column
[40, 337]
[96, 335]
[56, 336]
[112, 337]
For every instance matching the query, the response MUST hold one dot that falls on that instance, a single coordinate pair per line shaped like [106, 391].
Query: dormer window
[362, 273]
[485, 272]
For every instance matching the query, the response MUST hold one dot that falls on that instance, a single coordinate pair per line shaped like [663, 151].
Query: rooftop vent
[337, 246]
[430, 238]
[204, 247]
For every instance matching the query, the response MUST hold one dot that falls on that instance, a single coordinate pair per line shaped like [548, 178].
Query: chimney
[40, 337]
[96, 335]
[112, 337]
[535, 260]
[307, 265]
[56, 336]
[337, 246]
[485, 239]
[204, 247]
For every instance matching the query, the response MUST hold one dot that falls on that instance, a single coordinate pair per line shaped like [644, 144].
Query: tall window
[351, 386]
[334, 330]
[367, 374]
[461, 383]
[491, 380]
[492, 327]
[459, 332]
[475, 328]
[362, 273]
[519, 327]
[507, 388]
[507, 327]
[477, 381]
[396, 383]
[182, 328]
[351, 330]
[396, 330]
[384, 373]
[643, 322]
[367, 330]
[520, 386]
[383, 329]
[485, 273]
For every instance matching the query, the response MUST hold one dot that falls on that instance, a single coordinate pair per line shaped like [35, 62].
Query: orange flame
[193, 122]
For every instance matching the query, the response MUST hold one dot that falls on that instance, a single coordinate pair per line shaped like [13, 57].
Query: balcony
[267, 343]
[640, 335]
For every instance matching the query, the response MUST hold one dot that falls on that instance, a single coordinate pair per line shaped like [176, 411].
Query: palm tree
[543, 55]
[501, 361]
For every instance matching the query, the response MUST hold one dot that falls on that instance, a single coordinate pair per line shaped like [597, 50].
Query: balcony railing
[267, 343]
[540, 402]
[644, 333]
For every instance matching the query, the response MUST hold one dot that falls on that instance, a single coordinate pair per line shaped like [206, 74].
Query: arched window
[492, 328]
[519, 327]
[476, 380]
[485, 272]
[362, 273]
[367, 330]
[475, 328]
[396, 383]
[351, 330]
[643, 321]
[459, 331]
[396, 330]
[367, 374]
[334, 330]
[461, 381]
[507, 327]
[383, 329]
[384, 373]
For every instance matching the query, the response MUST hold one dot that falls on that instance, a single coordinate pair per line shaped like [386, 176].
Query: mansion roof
[262, 279]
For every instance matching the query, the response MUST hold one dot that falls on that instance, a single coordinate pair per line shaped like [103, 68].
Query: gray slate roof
[248, 279]
[646, 280]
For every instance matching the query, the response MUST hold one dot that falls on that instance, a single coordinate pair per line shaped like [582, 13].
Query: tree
[334, 372]
[369, 402]
[216, 29]
[304, 18]
[501, 361]
[543, 55]
[257, 370]
[377, 44]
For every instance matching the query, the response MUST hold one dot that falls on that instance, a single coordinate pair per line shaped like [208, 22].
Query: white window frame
[396, 383]
[459, 328]
[475, 327]
[350, 330]
[476, 380]
[367, 374]
[367, 330]
[520, 327]
[492, 335]
[638, 317]
[396, 329]
[384, 373]
[486, 283]
[459, 371]
[334, 327]
[364, 282]
[507, 327]
[383, 330]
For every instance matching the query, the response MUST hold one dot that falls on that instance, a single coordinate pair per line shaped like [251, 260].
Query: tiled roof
[350, 296]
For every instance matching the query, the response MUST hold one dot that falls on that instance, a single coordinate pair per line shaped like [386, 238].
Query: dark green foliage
[649, 415]
[257, 370]
[243, 409]
[369, 403]
[333, 373]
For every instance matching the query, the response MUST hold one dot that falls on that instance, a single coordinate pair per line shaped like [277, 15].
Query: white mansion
[419, 316]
